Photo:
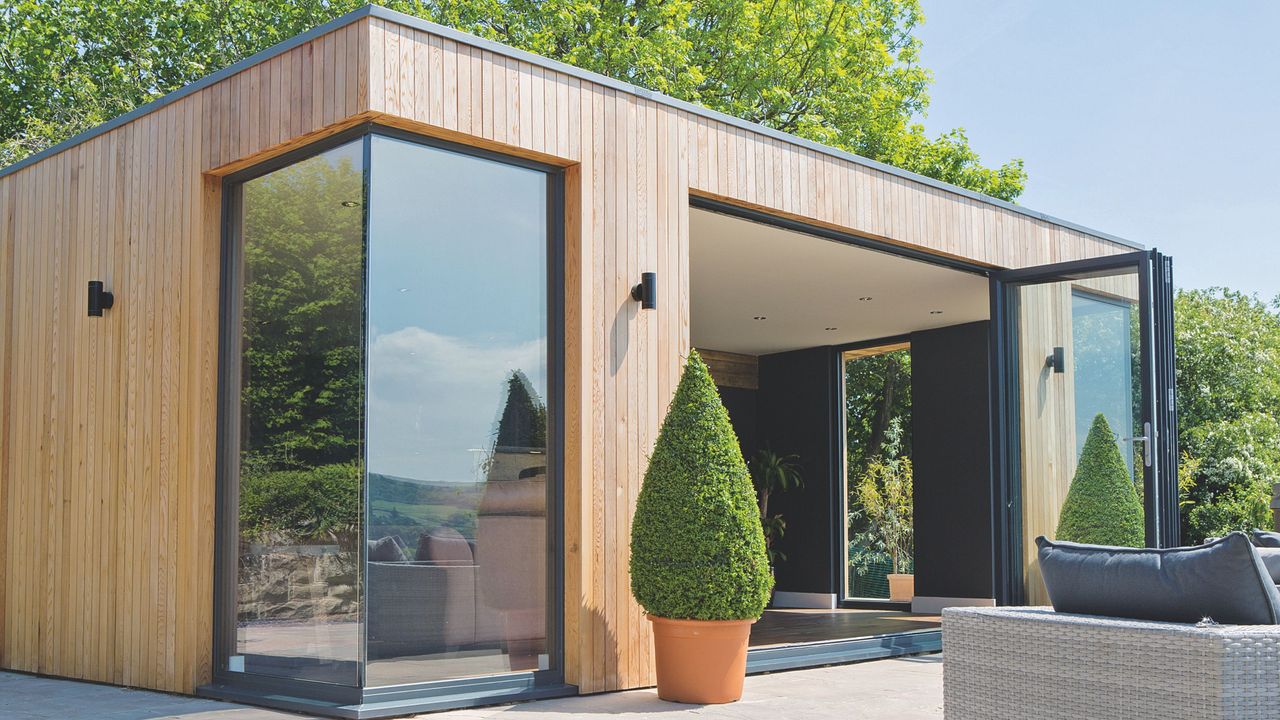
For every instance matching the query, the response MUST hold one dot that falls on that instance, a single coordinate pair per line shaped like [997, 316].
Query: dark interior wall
[951, 456]
[741, 404]
[796, 414]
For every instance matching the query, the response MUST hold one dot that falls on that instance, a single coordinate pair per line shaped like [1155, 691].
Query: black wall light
[99, 299]
[1057, 361]
[647, 291]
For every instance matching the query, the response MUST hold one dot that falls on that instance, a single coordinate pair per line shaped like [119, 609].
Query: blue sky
[1157, 122]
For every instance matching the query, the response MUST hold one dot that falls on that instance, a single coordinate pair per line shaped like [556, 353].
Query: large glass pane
[1077, 358]
[1106, 364]
[457, 420]
[880, 531]
[301, 420]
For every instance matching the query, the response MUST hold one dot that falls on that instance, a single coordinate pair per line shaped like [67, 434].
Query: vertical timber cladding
[107, 445]
[107, 472]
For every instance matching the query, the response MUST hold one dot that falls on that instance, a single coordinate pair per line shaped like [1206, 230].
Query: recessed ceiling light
[760, 317]
[865, 298]
[935, 312]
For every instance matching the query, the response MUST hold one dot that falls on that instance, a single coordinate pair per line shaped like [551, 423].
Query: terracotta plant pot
[700, 662]
[901, 587]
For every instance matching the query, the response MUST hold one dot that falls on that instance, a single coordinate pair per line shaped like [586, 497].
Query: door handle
[1145, 439]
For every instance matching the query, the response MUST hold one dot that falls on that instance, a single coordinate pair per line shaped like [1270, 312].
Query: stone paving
[897, 689]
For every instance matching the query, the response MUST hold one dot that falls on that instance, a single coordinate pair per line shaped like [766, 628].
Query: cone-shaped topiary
[1102, 506]
[697, 548]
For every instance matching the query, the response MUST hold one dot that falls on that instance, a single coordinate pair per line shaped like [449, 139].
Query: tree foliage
[303, 381]
[1102, 506]
[886, 501]
[841, 72]
[697, 548]
[877, 405]
[1228, 375]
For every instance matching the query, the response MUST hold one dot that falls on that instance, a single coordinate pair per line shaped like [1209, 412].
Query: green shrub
[321, 503]
[697, 548]
[1102, 506]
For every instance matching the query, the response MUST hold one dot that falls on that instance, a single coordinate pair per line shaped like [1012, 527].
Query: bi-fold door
[1074, 345]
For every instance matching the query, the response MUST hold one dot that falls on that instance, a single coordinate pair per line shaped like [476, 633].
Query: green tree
[1102, 506]
[877, 400]
[841, 72]
[697, 548]
[1228, 377]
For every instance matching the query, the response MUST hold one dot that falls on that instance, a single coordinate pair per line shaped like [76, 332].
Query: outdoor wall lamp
[1057, 361]
[647, 291]
[99, 299]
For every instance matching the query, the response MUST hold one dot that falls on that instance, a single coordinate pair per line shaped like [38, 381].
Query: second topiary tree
[1102, 506]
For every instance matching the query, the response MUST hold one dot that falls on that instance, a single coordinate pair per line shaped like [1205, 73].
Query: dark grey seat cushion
[1271, 561]
[1224, 580]
[1266, 538]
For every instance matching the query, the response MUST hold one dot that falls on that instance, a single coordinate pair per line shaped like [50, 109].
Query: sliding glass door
[388, 461]
[1083, 348]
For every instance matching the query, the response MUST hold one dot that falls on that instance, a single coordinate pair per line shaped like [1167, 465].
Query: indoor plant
[773, 473]
[884, 496]
[698, 562]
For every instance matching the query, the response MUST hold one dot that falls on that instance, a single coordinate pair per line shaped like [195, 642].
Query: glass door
[1084, 396]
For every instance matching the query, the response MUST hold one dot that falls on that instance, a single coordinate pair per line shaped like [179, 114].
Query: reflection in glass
[1106, 368]
[1094, 321]
[457, 426]
[301, 402]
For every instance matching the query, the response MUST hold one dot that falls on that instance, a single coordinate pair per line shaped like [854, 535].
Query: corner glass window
[388, 414]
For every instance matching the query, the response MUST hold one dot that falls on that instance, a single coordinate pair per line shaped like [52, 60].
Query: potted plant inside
[773, 473]
[884, 498]
[698, 562]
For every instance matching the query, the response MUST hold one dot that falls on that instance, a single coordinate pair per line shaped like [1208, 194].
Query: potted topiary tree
[1102, 506]
[698, 562]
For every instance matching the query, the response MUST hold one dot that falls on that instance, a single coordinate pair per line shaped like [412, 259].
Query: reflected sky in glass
[457, 302]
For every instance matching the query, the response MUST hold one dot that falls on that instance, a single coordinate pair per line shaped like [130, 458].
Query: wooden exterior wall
[107, 440]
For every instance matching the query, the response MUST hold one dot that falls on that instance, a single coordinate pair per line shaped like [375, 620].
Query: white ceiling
[804, 284]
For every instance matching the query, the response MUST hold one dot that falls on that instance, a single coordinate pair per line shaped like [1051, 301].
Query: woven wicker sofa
[1033, 663]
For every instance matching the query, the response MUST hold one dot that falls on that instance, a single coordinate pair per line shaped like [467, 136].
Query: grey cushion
[1271, 561]
[1224, 580]
[1266, 538]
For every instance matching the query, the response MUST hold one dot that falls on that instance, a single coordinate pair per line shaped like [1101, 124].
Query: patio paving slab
[899, 688]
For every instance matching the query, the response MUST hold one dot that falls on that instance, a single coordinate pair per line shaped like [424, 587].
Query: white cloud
[434, 398]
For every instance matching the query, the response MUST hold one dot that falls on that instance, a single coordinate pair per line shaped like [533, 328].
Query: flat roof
[377, 11]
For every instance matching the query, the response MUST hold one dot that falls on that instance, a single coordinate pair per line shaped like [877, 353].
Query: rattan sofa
[1026, 662]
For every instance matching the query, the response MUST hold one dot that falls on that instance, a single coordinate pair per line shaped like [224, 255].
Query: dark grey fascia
[377, 11]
